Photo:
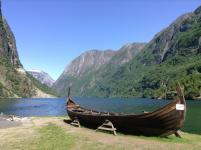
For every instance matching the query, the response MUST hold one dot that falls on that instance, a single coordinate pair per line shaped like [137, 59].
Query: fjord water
[56, 107]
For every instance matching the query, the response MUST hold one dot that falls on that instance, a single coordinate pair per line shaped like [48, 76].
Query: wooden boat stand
[107, 126]
[75, 123]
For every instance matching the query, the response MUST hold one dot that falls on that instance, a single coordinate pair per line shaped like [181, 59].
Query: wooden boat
[161, 122]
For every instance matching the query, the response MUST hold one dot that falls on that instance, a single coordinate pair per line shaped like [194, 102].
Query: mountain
[79, 70]
[173, 55]
[42, 76]
[14, 81]
[85, 70]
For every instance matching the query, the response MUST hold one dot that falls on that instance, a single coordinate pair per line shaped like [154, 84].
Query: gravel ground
[5, 122]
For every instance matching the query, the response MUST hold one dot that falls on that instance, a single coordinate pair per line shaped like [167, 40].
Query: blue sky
[51, 33]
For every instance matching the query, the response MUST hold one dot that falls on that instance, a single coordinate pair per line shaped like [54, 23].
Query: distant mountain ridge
[42, 76]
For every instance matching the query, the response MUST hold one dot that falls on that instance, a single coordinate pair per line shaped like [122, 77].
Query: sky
[51, 33]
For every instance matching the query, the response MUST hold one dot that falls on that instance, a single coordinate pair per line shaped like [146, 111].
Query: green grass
[169, 139]
[54, 137]
[51, 137]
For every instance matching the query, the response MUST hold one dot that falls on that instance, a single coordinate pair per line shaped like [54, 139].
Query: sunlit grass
[50, 137]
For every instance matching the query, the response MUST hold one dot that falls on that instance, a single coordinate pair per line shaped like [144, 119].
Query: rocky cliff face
[126, 53]
[88, 61]
[42, 76]
[7, 43]
[164, 42]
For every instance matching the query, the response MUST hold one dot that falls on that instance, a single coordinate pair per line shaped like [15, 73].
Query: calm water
[56, 107]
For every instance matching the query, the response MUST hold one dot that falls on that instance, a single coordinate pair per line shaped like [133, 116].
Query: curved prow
[70, 102]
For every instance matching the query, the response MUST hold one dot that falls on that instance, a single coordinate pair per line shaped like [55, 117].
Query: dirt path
[89, 139]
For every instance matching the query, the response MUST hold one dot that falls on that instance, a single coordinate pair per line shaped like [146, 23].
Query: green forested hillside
[173, 55]
[13, 83]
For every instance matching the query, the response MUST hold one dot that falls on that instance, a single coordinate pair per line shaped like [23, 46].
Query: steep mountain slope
[7, 41]
[42, 76]
[126, 53]
[14, 81]
[87, 69]
[180, 58]
[173, 55]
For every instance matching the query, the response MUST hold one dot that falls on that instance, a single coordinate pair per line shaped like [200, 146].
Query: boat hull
[161, 122]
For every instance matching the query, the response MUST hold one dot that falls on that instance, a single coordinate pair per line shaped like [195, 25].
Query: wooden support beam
[75, 123]
[107, 126]
[177, 134]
